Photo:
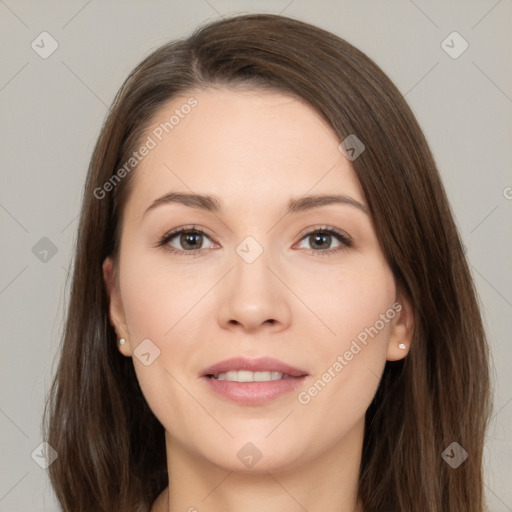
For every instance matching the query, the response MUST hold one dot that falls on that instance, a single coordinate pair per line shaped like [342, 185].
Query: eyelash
[326, 230]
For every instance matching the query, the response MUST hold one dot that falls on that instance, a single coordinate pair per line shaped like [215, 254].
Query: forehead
[249, 147]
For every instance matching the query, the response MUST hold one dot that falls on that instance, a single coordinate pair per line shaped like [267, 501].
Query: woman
[322, 349]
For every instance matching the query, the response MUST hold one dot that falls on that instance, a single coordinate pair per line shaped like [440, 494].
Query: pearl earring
[402, 346]
[122, 341]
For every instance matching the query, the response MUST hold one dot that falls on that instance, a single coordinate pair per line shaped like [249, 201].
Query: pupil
[319, 237]
[187, 238]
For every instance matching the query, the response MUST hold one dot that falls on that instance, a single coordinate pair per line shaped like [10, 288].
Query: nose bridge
[251, 276]
[251, 271]
[254, 295]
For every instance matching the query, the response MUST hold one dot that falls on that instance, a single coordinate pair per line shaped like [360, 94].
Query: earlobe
[402, 330]
[116, 313]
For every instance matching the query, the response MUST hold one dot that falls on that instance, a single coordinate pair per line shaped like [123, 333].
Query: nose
[253, 297]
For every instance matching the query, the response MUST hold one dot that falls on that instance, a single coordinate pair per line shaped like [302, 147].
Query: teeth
[247, 376]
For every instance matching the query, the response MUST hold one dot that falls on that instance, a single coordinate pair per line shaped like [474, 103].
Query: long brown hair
[111, 448]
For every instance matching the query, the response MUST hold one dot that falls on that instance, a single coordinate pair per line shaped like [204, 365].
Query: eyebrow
[212, 204]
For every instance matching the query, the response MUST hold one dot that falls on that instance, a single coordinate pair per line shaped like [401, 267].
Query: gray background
[51, 111]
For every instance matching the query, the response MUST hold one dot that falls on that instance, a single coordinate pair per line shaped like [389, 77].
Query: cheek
[156, 312]
[158, 298]
[350, 301]
[349, 360]
[160, 304]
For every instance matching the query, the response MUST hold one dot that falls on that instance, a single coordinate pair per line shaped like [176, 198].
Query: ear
[402, 328]
[116, 312]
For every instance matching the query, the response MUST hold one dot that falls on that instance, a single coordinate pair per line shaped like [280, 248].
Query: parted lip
[261, 364]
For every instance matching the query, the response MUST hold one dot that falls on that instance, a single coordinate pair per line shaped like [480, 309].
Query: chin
[252, 455]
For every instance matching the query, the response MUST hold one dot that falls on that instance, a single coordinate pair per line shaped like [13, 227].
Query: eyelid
[326, 228]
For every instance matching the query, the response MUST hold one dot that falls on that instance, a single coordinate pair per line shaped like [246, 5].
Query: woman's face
[253, 278]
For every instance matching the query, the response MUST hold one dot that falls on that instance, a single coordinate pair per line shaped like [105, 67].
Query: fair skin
[254, 150]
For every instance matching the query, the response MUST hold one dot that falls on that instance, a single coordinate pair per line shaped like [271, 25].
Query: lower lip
[254, 393]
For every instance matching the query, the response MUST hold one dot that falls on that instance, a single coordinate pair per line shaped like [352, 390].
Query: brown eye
[184, 241]
[191, 240]
[320, 241]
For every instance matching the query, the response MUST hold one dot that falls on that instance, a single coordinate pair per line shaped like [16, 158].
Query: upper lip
[261, 364]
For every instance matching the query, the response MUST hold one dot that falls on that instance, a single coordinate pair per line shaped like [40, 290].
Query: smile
[248, 376]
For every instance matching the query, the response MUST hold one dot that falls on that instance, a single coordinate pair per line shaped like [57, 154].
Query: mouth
[253, 381]
[243, 369]
[248, 376]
